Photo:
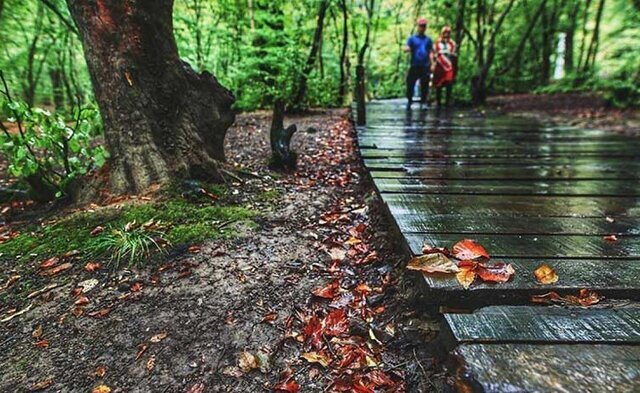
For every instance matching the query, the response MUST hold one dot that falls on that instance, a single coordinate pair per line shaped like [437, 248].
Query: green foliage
[53, 147]
[176, 221]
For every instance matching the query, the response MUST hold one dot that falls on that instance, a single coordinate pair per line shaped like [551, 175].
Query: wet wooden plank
[511, 324]
[594, 368]
[608, 187]
[529, 172]
[493, 161]
[472, 224]
[537, 246]
[456, 153]
[612, 278]
[512, 205]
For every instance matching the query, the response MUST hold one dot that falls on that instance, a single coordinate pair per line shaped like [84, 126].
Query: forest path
[530, 193]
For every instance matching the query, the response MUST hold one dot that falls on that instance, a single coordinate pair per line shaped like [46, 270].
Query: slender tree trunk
[344, 66]
[162, 120]
[361, 117]
[459, 28]
[313, 55]
[583, 44]
[595, 40]
[573, 9]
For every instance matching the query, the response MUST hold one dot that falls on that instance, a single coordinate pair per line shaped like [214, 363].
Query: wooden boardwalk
[530, 193]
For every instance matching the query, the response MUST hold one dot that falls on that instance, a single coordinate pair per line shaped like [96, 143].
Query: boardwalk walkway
[530, 194]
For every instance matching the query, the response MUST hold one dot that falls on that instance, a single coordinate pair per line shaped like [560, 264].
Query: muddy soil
[188, 324]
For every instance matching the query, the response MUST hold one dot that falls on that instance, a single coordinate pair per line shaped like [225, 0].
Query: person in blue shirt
[420, 46]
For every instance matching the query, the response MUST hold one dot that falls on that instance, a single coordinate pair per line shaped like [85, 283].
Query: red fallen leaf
[547, 298]
[49, 262]
[165, 267]
[141, 349]
[358, 230]
[611, 238]
[42, 344]
[100, 313]
[363, 289]
[194, 249]
[585, 298]
[55, 270]
[498, 272]
[92, 266]
[335, 323]
[371, 257]
[379, 378]
[269, 317]
[313, 332]
[469, 249]
[77, 291]
[184, 273]
[96, 231]
[360, 387]
[82, 301]
[287, 386]
[328, 292]
[136, 287]
[428, 249]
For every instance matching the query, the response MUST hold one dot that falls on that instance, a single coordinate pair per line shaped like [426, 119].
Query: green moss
[186, 222]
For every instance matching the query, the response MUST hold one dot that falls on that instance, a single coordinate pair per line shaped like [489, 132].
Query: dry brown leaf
[101, 371]
[317, 357]
[96, 231]
[247, 362]
[37, 332]
[433, 263]
[158, 337]
[55, 270]
[12, 280]
[42, 344]
[269, 317]
[545, 274]
[100, 313]
[101, 389]
[141, 349]
[82, 301]
[196, 388]
[92, 266]
[151, 363]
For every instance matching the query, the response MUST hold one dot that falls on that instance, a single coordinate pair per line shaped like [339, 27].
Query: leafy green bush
[48, 150]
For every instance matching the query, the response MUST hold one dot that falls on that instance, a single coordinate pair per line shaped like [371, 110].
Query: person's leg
[425, 79]
[449, 87]
[411, 82]
[438, 96]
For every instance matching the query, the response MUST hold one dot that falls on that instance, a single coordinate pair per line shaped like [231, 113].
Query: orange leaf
[100, 313]
[545, 274]
[466, 277]
[57, 269]
[499, 272]
[327, 292]
[611, 238]
[92, 266]
[429, 249]
[42, 344]
[547, 298]
[101, 371]
[270, 317]
[469, 249]
[49, 263]
[335, 323]
[82, 301]
[287, 386]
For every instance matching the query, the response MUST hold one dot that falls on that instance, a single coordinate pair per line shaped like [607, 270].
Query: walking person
[444, 74]
[420, 46]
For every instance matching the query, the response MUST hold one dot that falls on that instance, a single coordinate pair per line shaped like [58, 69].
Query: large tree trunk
[162, 120]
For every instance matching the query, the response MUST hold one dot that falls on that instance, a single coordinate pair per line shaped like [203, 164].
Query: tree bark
[162, 120]
[595, 40]
[313, 55]
[573, 8]
[344, 59]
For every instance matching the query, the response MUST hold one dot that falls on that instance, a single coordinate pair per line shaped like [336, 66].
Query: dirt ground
[318, 276]
[578, 109]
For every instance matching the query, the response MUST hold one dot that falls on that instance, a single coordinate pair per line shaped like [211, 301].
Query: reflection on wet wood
[546, 324]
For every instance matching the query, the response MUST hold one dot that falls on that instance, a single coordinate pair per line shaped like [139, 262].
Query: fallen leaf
[141, 349]
[194, 249]
[312, 332]
[466, 277]
[158, 337]
[196, 388]
[70, 254]
[100, 313]
[585, 298]
[42, 344]
[317, 357]
[287, 386]
[136, 287]
[611, 238]
[101, 371]
[337, 253]
[101, 389]
[498, 272]
[428, 249]
[335, 323]
[55, 270]
[469, 249]
[329, 291]
[545, 274]
[432, 263]
[269, 317]
[92, 266]
[82, 301]
[49, 263]
[151, 363]
[546, 298]
[37, 332]
[96, 231]
[42, 384]
[247, 362]
[12, 280]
